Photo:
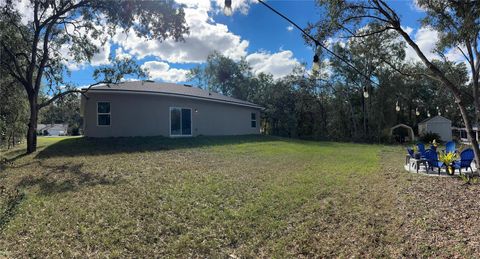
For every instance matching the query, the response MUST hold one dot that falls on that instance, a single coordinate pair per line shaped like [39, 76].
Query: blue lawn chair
[450, 147]
[421, 149]
[432, 160]
[466, 158]
[410, 155]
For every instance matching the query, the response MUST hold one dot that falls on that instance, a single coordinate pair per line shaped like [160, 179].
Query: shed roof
[437, 118]
[170, 89]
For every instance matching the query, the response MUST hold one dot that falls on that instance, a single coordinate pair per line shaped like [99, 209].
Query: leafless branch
[62, 94]
[352, 34]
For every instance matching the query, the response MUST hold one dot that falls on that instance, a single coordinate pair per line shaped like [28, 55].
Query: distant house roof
[437, 118]
[170, 89]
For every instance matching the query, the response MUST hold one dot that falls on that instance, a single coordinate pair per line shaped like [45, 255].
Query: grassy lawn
[207, 197]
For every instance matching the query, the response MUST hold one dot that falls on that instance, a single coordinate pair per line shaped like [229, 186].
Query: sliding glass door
[180, 121]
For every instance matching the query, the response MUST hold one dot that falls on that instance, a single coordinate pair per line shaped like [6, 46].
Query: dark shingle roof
[171, 89]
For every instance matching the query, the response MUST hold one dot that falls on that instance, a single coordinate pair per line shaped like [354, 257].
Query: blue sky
[267, 41]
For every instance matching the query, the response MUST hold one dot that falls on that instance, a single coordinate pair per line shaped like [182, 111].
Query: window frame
[253, 120]
[181, 126]
[104, 113]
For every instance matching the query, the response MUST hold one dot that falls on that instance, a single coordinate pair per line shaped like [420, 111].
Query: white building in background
[461, 133]
[438, 124]
[52, 129]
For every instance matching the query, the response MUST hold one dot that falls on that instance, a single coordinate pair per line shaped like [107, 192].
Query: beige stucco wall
[135, 114]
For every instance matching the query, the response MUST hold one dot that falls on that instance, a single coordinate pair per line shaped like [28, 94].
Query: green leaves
[117, 70]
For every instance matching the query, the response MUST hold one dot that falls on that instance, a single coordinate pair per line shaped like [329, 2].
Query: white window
[253, 117]
[103, 113]
[180, 121]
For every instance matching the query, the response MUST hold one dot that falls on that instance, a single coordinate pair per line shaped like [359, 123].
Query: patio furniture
[450, 147]
[432, 160]
[410, 154]
[466, 158]
[421, 149]
[417, 162]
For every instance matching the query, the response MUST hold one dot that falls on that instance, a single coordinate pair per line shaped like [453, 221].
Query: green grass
[201, 197]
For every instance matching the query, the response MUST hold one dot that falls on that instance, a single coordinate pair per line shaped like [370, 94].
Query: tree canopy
[61, 31]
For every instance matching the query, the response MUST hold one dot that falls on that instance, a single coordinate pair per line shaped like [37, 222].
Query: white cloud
[426, 39]
[24, 7]
[408, 30]
[120, 54]
[99, 58]
[161, 70]
[278, 64]
[416, 7]
[456, 55]
[241, 6]
[205, 37]
[289, 28]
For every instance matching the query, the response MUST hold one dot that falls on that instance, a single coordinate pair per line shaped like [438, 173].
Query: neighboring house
[52, 129]
[145, 108]
[438, 124]
[461, 133]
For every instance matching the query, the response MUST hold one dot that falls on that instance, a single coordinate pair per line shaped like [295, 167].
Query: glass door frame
[181, 121]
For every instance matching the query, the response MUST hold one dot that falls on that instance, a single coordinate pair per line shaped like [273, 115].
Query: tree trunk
[354, 123]
[364, 119]
[476, 101]
[32, 127]
[8, 141]
[471, 137]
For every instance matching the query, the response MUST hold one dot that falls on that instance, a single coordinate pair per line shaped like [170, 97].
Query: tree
[456, 21]
[224, 75]
[31, 53]
[369, 55]
[13, 112]
[64, 110]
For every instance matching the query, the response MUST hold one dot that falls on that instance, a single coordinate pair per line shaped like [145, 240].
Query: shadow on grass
[65, 178]
[9, 210]
[105, 146]
[13, 155]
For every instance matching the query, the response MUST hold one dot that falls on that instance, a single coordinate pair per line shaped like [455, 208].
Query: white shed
[438, 124]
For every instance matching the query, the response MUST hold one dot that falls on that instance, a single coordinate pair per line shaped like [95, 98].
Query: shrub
[429, 137]
[74, 131]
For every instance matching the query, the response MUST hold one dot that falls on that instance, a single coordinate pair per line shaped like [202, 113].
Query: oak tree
[33, 52]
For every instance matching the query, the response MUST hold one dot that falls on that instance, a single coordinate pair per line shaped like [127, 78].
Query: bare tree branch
[352, 34]
[62, 94]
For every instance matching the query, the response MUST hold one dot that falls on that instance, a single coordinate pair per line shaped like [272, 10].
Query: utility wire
[317, 43]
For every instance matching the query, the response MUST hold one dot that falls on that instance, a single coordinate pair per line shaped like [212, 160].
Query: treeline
[14, 113]
[338, 102]
[331, 104]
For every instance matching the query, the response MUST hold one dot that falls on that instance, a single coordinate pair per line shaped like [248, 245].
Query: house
[146, 108]
[461, 133]
[52, 129]
[438, 124]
